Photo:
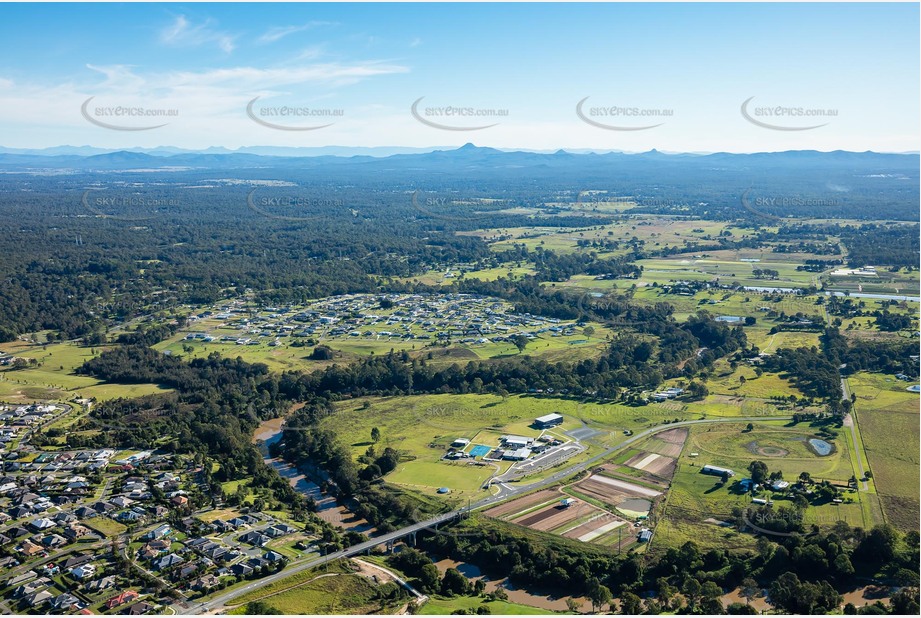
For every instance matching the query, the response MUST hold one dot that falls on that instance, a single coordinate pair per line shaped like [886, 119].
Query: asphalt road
[505, 492]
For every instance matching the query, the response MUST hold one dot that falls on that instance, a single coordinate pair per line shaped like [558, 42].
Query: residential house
[159, 544]
[256, 562]
[65, 602]
[83, 572]
[28, 548]
[20, 511]
[65, 518]
[120, 599]
[103, 583]
[140, 608]
[37, 599]
[278, 530]
[20, 579]
[167, 561]
[159, 532]
[254, 538]
[222, 526]
[103, 507]
[76, 560]
[85, 512]
[7, 562]
[273, 556]
[122, 502]
[53, 540]
[179, 501]
[205, 582]
[75, 531]
[241, 570]
[30, 587]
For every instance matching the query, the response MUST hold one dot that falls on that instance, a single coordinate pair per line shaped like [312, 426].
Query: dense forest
[804, 573]
[88, 242]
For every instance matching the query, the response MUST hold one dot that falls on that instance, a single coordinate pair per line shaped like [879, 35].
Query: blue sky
[688, 68]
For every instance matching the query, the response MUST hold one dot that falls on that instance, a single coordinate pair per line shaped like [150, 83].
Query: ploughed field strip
[516, 507]
[653, 463]
[612, 490]
[667, 443]
[552, 512]
[555, 515]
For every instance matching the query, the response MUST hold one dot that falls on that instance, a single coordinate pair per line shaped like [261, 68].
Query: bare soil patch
[516, 506]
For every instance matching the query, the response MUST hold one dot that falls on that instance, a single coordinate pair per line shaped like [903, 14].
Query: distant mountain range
[469, 155]
[299, 151]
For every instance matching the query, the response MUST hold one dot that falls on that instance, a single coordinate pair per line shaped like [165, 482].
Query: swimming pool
[479, 450]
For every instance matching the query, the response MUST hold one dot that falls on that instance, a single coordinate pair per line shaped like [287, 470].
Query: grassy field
[438, 605]
[334, 593]
[54, 378]
[105, 526]
[422, 427]
[658, 232]
[449, 276]
[696, 498]
[889, 424]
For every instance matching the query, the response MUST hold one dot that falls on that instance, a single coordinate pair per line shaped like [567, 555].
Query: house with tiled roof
[120, 599]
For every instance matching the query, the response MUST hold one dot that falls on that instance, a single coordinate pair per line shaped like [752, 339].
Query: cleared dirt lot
[601, 491]
[613, 491]
[653, 463]
[594, 529]
[596, 522]
[678, 435]
[516, 506]
[624, 486]
[556, 515]
[668, 443]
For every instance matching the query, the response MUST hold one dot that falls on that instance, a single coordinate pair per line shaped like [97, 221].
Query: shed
[548, 420]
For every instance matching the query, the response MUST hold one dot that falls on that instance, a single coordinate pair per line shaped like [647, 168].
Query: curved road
[504, 493]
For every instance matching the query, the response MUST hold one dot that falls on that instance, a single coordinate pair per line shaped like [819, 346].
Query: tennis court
[479, 450]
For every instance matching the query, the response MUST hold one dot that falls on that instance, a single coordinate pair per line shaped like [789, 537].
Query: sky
[674, 77]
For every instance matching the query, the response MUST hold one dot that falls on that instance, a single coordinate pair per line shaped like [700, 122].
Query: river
[328, 509]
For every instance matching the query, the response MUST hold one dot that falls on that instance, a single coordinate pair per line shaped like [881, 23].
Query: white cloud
[311, 53]
[416, 42]
[182, 33]
[276, 34]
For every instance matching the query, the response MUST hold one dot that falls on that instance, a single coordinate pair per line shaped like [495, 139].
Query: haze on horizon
[689, 68]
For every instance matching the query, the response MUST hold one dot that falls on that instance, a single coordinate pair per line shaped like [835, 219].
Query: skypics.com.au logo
[440, 206]
[274, 116]
[779, 117]
[453, 117]
[762, 206]
[125, 117]
[299, 207]
[621, 118]
[783, 522]
[133, 207]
